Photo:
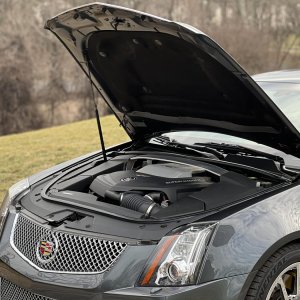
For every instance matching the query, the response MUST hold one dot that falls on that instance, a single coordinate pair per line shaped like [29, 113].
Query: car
[202, 203]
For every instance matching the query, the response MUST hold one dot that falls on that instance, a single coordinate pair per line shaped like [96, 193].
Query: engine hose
[136, 202]
[139, 203]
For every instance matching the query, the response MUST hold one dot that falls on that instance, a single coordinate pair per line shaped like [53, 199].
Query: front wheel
[279, 278]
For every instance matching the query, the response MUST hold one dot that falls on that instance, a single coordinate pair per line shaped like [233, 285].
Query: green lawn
[27, 153]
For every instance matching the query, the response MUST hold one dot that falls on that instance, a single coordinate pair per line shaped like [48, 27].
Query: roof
[291, 76]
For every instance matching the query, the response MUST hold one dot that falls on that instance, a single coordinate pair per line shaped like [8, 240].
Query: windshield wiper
[237, 149]
[204, 150]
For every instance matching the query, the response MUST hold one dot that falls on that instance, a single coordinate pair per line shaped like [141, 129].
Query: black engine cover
[125, 181]
[187, 187]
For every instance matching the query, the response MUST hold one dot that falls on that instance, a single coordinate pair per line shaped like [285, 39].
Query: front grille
[10, 291]
[69, 252]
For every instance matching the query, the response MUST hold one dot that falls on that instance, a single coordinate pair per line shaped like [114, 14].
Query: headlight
[178, 257]
[18, 189]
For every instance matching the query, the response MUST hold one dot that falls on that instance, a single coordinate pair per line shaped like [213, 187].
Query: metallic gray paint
[225, 289]
[287, 76]
[247, 238]
[243, 241]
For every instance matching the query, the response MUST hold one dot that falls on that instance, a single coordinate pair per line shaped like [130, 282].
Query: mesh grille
[70, 253]
[10, 291]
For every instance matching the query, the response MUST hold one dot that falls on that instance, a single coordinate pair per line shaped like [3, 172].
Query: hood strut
[97, 114]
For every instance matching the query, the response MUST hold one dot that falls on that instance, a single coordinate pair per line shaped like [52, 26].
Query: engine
[157, 187]
[152, 186]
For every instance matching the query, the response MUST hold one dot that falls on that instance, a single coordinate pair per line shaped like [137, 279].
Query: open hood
[161, 76]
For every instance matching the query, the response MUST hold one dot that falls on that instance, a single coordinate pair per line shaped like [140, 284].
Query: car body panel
[244, 239]
[225, 289]
[247, 238]
[282, 76]
[239, 107]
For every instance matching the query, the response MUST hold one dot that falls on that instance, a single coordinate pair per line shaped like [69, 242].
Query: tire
[283, 264]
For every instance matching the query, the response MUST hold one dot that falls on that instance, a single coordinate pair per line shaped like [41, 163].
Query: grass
[27, 153]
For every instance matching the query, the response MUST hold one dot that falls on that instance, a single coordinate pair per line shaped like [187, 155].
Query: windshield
[287, 97]
[193, 137]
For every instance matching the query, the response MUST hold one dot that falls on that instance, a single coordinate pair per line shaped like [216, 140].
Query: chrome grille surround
[10, 291]
[76, 254]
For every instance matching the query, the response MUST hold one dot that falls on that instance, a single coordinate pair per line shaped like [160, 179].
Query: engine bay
[155, 186]
[149, 186]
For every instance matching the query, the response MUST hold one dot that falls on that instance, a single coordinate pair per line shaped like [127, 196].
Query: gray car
[202, 203]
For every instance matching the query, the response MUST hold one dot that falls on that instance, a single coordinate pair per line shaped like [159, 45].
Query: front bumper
[223, 289]
[19, 278]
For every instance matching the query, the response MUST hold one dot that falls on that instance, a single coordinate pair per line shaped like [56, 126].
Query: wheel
[279, 278]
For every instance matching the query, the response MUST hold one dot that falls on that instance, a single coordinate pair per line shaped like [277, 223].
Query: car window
[192, 137]
[287, 97]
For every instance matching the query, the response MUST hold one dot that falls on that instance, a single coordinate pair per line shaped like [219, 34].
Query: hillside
[27, 153]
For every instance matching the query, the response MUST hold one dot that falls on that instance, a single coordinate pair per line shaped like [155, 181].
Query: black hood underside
[161, 76]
